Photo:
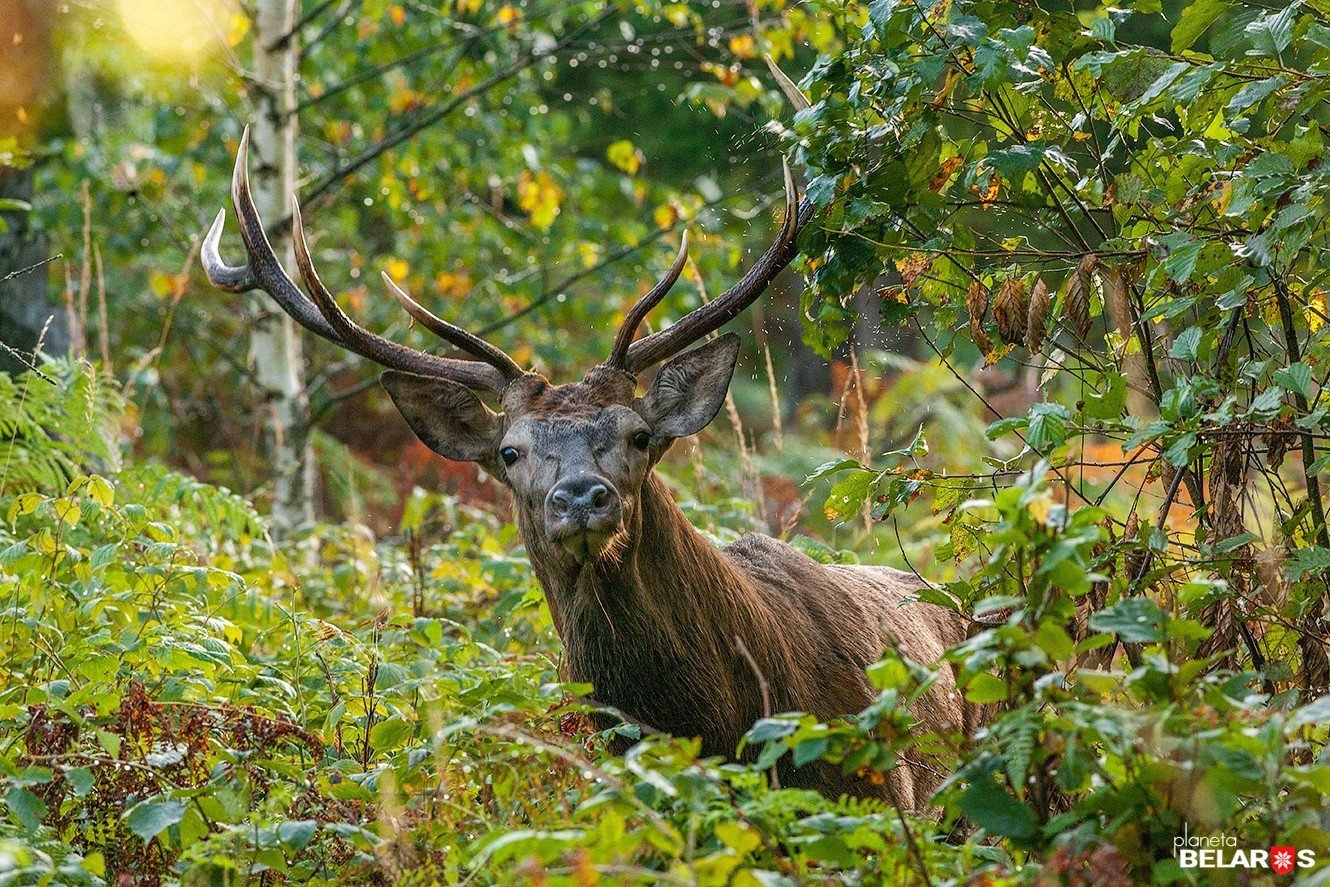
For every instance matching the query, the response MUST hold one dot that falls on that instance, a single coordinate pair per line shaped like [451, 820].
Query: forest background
[1057, 341]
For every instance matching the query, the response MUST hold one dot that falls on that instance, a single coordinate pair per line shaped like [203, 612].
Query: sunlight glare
[176, 29]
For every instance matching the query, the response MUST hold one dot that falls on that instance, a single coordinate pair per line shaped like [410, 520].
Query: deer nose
[584, 496]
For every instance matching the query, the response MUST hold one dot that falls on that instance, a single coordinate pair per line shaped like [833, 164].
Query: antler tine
[231, 279]
[262, 270]
[712, 316]
[467, 341]
[628, 329]
[378, 349]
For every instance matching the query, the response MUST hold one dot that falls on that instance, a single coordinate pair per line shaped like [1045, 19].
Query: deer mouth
[585, 539]
[586, 545]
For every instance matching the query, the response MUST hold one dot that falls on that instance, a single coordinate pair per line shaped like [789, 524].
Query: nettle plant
[1130, 214]
[1127, 209]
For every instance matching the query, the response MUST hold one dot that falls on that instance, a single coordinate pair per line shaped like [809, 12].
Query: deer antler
[712, 316]
[262, 270]
[638, 313]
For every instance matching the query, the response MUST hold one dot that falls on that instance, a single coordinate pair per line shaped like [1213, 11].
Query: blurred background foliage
[1058, 342]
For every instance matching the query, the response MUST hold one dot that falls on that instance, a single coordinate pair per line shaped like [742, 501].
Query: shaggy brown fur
[650, 613]
[653, 631]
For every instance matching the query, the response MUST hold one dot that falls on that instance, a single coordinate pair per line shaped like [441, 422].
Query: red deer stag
[656, 619]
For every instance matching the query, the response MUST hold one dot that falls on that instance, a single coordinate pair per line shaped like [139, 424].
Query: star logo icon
[1281, 859]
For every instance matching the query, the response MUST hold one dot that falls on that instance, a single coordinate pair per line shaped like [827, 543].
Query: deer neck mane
[665, 588]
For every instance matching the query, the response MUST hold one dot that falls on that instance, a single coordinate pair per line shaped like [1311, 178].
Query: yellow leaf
[589, 253]
[743, 45]
[727, 75]
[539, 197]
[162, 284]
[468, 7]
[237, 26]
[665, 215]
[67, 510]
[402, 100]
[398, 15]
[524, 354]
[508, 16]
[677, 13]
[944, 171]
[453, 284]
[100, 491]
[623, 155]
[338, 131]
[1316, 310]
[1040, 507]
[397, 270]
[997, 354]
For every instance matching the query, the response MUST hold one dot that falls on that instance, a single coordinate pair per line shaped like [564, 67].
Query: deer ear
[689, 390]
[446, 416]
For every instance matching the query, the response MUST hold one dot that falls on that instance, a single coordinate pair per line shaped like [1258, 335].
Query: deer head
[575, 456]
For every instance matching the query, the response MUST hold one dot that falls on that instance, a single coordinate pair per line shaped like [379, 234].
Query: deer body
[651, 614]
[654, 632]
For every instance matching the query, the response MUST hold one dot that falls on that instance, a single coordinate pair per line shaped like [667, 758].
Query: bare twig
[763, 688]
[33, 267]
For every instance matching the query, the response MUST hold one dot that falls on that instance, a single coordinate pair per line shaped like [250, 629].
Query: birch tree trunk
[273, 344]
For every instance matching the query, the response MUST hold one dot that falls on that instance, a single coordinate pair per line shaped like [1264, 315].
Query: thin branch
[285, 39]
[33, 267]
[428, 120]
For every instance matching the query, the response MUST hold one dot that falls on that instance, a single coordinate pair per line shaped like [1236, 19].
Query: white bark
[274, 344]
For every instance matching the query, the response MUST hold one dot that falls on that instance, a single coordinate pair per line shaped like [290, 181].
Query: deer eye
[642, 440]
[509, 455]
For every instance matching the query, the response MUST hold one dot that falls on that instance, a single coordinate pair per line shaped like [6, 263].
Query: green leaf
[810, 750]
[1308, 560]
[1315, 713]
[1186, 344]
[389, 733]
[80, 779]
[879, 13]
[832, 467]
[1108, 404]
[1054, 640]
[1136, 620]
[296, 834]
[1252, 94]
[1272, 32]
[996, 811]
[1296, 377]
[153, 816]
[984, 688]
[847, 497]
[768, 729]
[1195, 21]
[1048, 425]
[27, 808]
[1182, 250]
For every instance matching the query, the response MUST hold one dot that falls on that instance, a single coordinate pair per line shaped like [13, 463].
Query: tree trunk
[27, 313]
[273, 343]
[27, 67]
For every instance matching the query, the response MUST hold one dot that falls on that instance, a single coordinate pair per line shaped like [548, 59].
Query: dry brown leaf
[1037, 322]
[976, 302]
[1010, 309]
[1078, 297]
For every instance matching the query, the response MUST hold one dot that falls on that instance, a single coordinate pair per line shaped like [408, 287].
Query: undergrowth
[185, 702]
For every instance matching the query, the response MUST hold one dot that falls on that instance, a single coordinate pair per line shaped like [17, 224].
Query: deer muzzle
[582, 513]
